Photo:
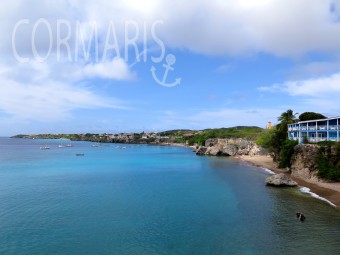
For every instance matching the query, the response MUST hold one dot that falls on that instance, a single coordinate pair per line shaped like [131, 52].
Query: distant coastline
[328, 190]
[178, 136]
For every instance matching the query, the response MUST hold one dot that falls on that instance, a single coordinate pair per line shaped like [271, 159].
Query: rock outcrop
[230, 147]
[201, 150]
[213, 151]
[280, 180]
[304, 160]
[304, 163]
[229, 150]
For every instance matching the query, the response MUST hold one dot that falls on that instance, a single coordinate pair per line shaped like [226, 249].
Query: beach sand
[330, 191]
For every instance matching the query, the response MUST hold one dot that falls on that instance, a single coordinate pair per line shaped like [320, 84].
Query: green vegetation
[176, 132]
[250, 133]
[311, 116]
[328, 143]
[287, 117]
[276, 140]
[328, 162]
[137, 136]
[286, 153]
[51, 136]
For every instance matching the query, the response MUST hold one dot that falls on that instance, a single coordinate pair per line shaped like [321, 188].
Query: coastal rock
[211, 142]
[194, 148]
[213, 151]
[257, 151]
[304, 163]
[229, 150]
[280, 180]
[201, 150]
[304, 160]
[233, 146]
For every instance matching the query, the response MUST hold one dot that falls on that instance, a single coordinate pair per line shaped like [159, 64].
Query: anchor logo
[170, 61]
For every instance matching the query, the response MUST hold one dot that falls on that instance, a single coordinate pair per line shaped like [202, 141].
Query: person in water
[300, 216]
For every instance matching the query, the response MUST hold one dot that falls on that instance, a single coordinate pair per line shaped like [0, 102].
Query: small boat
[69, 145]
[80, 154]
[95, 145]
[44, 148]
[61, 146]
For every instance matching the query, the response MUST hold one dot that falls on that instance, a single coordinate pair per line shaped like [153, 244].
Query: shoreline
[325, 190]
[329, 192]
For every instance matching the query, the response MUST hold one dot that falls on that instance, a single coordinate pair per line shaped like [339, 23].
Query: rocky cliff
[304, 160]
[230, 147]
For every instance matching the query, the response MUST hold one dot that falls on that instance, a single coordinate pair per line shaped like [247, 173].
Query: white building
[315, 130]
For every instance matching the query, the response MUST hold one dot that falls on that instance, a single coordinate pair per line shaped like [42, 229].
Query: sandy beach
[330, 191]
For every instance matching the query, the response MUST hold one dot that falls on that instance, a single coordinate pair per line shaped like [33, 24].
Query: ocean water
[139, 199]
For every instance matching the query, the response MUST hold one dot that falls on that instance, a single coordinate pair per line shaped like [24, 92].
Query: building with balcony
[315, 130]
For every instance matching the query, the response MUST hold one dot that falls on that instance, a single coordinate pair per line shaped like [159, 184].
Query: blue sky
[240, 63]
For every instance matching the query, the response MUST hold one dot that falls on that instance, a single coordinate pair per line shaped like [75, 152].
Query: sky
[72, 66]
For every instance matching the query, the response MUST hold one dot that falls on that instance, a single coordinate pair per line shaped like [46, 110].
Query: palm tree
[287, 117]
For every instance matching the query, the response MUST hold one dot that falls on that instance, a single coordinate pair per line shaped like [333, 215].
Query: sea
[144, 199]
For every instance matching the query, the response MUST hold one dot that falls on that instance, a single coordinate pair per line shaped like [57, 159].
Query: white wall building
[315, 130]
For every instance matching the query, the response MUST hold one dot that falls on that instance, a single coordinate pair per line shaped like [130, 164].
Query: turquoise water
[150, 200]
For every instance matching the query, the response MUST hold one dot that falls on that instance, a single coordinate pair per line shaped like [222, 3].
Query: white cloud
[319, 94]
[223, 117]
[48, 102]
[287, 28]
[116, 69]
[314, 69]
[280, 27]
[27, 93]
[319, 87]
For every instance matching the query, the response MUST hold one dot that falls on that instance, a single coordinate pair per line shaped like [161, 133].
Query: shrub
[266, 138]
[273, 140]
[329, 167]
[286, 153]
[250, 133]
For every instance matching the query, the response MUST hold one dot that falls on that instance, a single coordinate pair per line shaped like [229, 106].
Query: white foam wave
[267, 170]
[307, 190]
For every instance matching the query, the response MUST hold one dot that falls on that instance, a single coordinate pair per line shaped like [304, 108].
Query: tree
[287, 117]
[311, 116]
[286, 153]
[276, 140]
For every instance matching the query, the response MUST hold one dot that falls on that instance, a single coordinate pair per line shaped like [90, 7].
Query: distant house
[315, 130]
[188, 135]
